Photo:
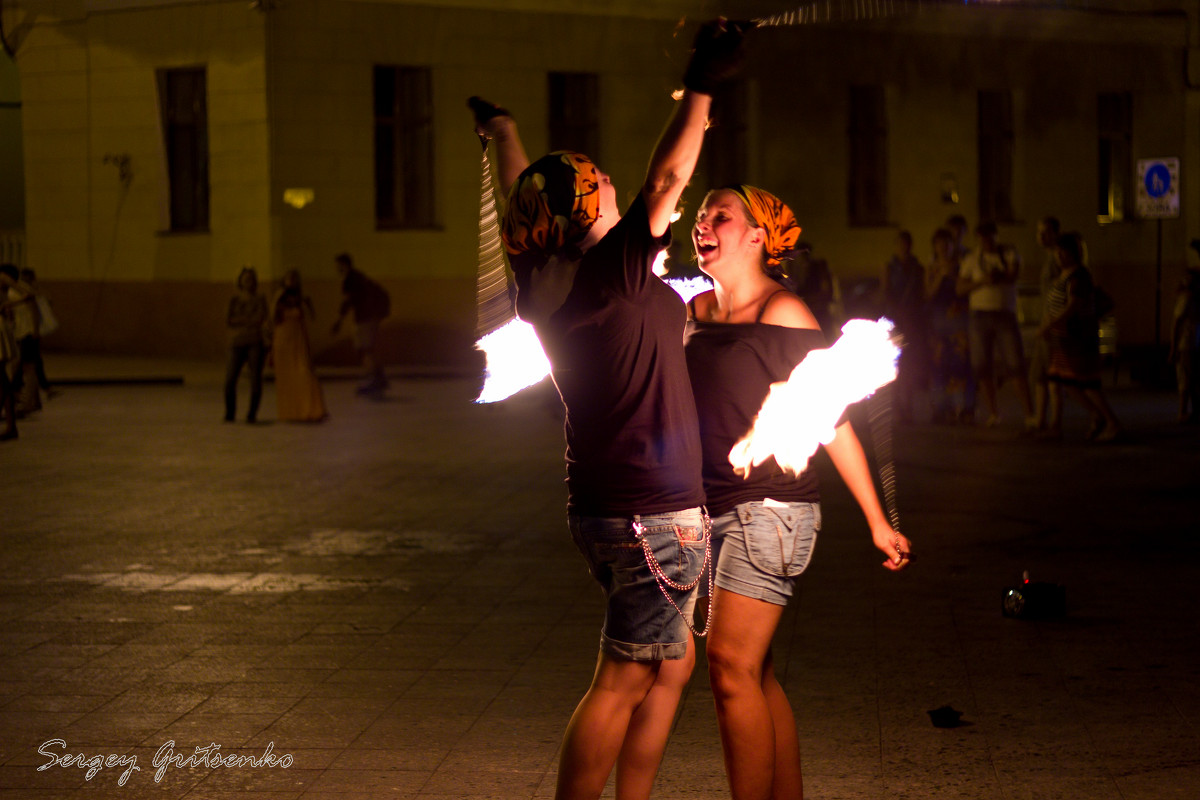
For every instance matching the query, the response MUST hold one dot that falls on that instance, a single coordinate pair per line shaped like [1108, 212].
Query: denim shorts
[640, 623]
[759, 548]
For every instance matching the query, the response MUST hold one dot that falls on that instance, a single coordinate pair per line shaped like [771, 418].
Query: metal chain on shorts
[660, 576]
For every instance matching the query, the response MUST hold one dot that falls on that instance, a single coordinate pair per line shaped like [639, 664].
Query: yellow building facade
[291, 112]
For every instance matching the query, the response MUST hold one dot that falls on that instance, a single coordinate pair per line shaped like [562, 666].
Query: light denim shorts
[760, 547]
[640, 623]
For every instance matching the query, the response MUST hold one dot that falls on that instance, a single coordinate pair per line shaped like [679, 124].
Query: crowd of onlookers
[260, 333]
[956, 316]
[967, 333]
[276, 332]
[962, 337]
[962, 333]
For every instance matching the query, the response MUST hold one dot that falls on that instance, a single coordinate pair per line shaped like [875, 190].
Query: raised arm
[498, 125]
[716, 57]
[674, 158]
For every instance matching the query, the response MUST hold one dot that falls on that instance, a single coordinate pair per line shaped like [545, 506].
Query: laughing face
[723, 231]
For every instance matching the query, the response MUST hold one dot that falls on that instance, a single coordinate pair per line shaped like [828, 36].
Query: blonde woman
[743, 335]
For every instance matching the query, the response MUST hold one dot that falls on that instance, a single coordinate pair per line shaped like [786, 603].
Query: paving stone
[392, 600]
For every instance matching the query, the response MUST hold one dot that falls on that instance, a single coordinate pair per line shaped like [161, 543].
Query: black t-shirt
[616, 351]
[732, 368]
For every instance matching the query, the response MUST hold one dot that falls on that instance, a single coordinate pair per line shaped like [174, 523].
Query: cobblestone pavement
[387, 605]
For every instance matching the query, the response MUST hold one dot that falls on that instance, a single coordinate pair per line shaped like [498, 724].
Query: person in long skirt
[297, 390]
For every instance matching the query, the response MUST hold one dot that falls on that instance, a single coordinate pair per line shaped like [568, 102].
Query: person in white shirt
[989, 280]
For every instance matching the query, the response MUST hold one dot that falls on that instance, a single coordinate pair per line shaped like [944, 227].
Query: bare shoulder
[789, 311]
[701, 305]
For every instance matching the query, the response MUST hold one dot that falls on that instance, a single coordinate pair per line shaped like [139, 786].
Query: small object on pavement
[945, 717]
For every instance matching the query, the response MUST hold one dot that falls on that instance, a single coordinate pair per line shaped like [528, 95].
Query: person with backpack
[371, 305]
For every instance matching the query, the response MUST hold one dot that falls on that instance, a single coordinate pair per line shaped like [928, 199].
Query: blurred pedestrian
[958, 227]
[811, 278]
[47, 323]
[9, 355]
[951, 376]
[1039, 354]
[904, 305]
[21, 304]
[988, 277]
[297, 390]
[371, 304]
[245, 321]
[1071, 327]
[1185, 345]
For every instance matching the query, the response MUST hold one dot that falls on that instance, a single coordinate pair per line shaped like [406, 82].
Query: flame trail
[801, 413]
[515, 361]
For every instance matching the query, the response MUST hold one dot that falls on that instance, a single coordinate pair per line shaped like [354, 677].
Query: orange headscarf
[773, 215]
[552, 205]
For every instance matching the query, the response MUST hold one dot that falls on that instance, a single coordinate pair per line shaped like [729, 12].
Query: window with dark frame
[404, 165]
[182, 100]
[868, 135]
[574, 112]
[996, 142]
[1114, 126]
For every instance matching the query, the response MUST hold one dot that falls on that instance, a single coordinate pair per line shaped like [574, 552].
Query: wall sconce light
[298, 198]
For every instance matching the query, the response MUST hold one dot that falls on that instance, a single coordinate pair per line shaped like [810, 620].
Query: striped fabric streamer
[493, 294]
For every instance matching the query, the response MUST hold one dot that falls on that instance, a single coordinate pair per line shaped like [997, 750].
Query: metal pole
[1158, 291]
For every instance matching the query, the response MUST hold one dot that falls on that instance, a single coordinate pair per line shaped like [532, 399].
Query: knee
[731, 671]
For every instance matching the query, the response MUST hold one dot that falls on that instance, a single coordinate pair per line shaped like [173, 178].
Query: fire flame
[689, 287]
[801, 413]
[515, 361]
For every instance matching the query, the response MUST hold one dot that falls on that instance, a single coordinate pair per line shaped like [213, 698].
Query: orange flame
[801, 413]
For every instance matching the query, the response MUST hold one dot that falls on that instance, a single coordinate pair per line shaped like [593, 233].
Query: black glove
[717, 55]
[485, 111]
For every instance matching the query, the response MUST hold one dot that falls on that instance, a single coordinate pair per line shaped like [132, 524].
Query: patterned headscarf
[773, 215]
[552, 205]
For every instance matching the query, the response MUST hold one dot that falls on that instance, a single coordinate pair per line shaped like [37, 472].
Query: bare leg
[1022, 384]
[1099, 404]
[789, 782]
[988, 385]
[598, 728]
[737, 649]
[1054, 424]
[9, 402]
[650, 726]
[1040, 397]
